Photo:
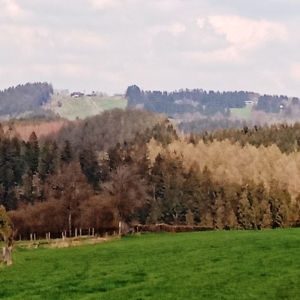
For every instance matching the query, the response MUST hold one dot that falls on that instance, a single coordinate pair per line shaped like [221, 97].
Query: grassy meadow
[71, 108]
[245, 112]
[199, 265]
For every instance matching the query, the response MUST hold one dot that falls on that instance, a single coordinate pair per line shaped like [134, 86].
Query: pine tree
[90, 167]
[49, 159]
[32, 154]
[67, 153]
[167, 178]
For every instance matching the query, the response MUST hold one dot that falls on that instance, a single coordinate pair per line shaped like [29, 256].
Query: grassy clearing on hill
[71, 108]
[245, 112]
[199, 265]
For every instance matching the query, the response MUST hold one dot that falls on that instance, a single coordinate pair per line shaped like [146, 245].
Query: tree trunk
[70, 224]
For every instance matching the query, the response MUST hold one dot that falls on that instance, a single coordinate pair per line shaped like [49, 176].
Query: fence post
[120, 228]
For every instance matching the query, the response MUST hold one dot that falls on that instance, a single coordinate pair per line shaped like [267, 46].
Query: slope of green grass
[241, 112]
[71, 108]
[201, 265]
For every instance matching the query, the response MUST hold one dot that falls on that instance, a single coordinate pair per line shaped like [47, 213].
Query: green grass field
[72, 108]
[200, 265]
[245, 112]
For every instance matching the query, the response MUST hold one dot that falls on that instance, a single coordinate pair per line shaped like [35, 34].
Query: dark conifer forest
[23, 98]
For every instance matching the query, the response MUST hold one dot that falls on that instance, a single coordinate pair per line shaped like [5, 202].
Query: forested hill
[95, 172]
[23, 98]
[201, 101]
[101, 132]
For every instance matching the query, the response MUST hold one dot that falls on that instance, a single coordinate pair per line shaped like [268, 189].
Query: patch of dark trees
[23, 98]
[104, 131]
[211, 125]
[285, 137]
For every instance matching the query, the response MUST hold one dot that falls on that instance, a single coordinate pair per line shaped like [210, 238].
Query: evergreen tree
[90, 167]
[32, 154]
[67, 153]
[167, 178]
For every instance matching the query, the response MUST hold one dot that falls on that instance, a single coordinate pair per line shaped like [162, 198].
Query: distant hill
[40, 101]
[209, 103]
[15, 101]
[72, 107]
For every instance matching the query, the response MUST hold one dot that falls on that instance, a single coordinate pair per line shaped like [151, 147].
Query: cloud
[17, 38]
[229, 55]
[75, 40]
[237, 38]
[295, 72]
[166, 5]
[201, 22]
[40, 42]
[247, 34]
[175, 29]
[104, 4]
[11, 9]
[158, 44]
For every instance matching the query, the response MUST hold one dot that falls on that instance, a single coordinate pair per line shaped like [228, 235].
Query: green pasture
[241, 112]
[199, 265]
[71, 108]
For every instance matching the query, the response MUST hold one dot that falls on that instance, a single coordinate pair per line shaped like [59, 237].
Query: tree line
[200, 101]
[285, 137]
[211, 125]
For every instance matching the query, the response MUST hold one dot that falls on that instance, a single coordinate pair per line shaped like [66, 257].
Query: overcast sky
[107, 45]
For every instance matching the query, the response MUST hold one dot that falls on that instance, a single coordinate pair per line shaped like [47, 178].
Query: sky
[108, 45]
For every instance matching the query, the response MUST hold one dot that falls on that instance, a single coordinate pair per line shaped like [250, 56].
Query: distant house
[76, 95]
[249, 103]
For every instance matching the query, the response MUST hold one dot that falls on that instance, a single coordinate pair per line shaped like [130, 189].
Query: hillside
[82, 107]
[24, 99]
